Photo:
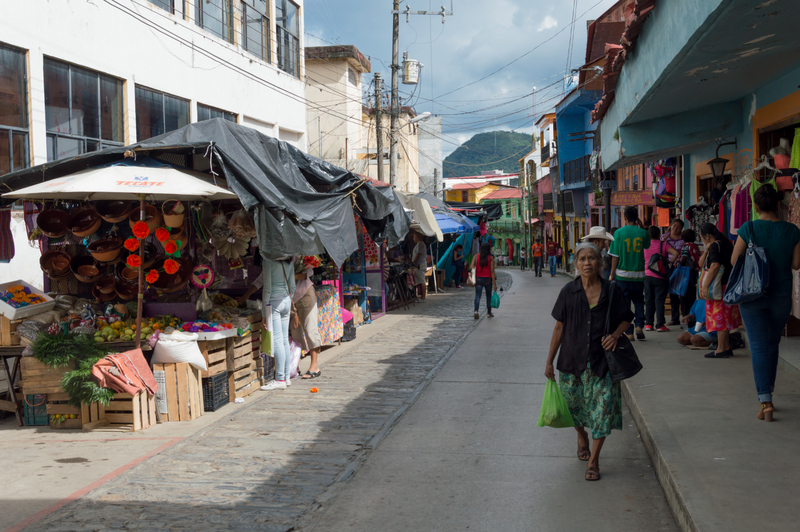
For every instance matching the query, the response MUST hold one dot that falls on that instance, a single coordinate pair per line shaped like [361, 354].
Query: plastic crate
[36, 410]
[268, 364]
[215, 392]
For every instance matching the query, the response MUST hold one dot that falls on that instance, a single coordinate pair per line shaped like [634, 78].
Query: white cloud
[548, 23]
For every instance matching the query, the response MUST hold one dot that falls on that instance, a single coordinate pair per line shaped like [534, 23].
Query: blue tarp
[449, 225]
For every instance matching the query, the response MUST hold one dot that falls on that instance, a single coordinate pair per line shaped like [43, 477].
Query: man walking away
[552, 257]
[458, 263]
[538, 256]
[522, 259]
[628, 267]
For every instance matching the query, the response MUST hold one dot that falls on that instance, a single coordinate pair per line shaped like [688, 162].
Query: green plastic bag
[495, 300]
[555, 412]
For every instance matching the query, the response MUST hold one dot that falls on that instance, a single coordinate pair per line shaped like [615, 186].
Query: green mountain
[495, 150]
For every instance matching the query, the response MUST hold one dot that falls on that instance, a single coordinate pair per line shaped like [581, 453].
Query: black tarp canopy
[303, 205]
[493, 211]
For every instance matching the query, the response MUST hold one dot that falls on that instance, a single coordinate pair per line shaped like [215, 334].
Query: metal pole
[379, 122]
[140, 296]
[319, 135]
[607, 204]
[436, 182]
[395, 112]
[564, 233]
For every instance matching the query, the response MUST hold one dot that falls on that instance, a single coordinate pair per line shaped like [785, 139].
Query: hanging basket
[151, 217]
[171, 219]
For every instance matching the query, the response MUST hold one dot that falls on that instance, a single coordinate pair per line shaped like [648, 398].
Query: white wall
[430, 155]
[142, 44]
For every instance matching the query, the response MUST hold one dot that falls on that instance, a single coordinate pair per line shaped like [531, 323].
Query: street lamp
[419, 118]
[718, 163]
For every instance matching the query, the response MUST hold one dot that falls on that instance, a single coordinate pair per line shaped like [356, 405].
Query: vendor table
[329, 322]
[8, 399]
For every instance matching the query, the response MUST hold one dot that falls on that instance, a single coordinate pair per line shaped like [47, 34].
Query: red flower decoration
[152, 277]
[131, 244]
[171, 266]
[170, 247]
[141, 230]
[134, 261]
[162, 235]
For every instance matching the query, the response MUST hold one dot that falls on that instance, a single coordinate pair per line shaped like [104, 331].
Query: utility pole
[395, 112]
[395, 102]
[436, 182]
[564, 232]
[379, 122]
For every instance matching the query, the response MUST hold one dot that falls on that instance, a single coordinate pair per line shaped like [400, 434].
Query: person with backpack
[658, 258]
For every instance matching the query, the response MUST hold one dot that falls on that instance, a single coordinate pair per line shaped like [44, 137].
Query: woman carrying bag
[278, 279]
[721, 317]
[485, 278]
[590, 319]
[765, 317]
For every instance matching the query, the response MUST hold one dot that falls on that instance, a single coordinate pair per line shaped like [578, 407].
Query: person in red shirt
[552, 253]
[537, 252]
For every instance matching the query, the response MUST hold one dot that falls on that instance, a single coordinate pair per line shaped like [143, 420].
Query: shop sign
[625, 198]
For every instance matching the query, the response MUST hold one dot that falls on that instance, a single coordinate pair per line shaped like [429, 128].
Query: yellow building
[470, 192]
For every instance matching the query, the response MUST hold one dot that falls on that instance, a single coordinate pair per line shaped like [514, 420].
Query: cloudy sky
[480, 39]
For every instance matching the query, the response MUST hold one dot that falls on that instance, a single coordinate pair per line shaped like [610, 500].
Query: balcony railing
[546, 152]
[505, 226]
[548, 202]
[576, 171]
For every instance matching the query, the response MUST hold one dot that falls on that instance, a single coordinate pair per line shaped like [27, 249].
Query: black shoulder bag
[622, 361]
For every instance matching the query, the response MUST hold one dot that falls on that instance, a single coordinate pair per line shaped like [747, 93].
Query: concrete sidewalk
[720, 467]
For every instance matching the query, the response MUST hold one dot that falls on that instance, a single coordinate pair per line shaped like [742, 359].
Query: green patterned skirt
[594, 403]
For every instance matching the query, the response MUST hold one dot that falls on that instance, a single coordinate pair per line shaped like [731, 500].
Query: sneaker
[724, 354]
[288, 381]
[459, 287]
[663, 328]
[274, 385]
[648, 328]
[639, 333]
[490, 315]
[476, 315]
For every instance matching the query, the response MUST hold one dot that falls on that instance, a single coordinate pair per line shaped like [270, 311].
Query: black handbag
[623, 363]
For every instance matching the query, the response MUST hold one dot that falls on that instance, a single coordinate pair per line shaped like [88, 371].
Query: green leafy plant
[59, 350]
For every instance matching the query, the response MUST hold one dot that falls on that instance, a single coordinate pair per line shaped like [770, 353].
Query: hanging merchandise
[665, 187]
[242, 225]
[795, 160]
[755, 185]
[202, 278]
[6, 237]
[782, 154]
[226, 244]
[700, 213]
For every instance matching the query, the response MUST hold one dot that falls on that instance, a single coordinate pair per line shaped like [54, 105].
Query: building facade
[430, 156]
[334, 116]
[407, 148]
[77, 77]
[509, 229]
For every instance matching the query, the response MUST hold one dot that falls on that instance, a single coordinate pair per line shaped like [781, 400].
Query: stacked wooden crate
[256, 327]
[8, 332]
[183, 389]
[242, 374]
[124, 413]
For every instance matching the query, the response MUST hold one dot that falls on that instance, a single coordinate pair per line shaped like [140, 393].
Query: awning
[449, 226]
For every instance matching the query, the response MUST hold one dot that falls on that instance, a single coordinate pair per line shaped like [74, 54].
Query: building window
[255, 28]
[205, 112]
[465, 196]
[14, 143]
[158, 113]
[83, 110]
[216, 17]
[351, 77]
[287, 28]
[168, 5]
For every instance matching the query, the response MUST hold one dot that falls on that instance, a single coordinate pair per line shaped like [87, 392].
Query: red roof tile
[504, 193]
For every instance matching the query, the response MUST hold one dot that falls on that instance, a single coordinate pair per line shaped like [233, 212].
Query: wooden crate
[184, 391]
[255, 340]
[240, 353]
[241, 367]
[40, 379]
[125, 413]
[244, 385]
[57, 405]
[8, 332]
[216, 355]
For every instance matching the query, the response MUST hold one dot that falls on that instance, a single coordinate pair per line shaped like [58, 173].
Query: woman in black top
[720, 317]
[594, 400]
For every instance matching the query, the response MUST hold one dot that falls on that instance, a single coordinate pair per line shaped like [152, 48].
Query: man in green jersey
[628, 267]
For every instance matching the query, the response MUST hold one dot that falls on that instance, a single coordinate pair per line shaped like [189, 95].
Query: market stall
[143, 262]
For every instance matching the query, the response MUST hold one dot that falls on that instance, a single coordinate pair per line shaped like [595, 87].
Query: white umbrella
[128, 180]
[122, 181]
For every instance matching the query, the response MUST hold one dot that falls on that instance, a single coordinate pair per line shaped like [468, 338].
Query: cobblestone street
[276, 463]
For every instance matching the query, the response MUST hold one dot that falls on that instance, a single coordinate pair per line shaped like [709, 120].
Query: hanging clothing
[6, 238]
[699, 214]
[744, 206]
[734, 205]
[724, 218]
[795, 161]
[755, 185]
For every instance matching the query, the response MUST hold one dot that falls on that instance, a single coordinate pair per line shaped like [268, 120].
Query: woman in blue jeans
[485, 278]
[765, 317]
[277, 277]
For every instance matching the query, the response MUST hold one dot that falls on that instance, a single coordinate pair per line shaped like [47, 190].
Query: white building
[430, 156]
[77, 76]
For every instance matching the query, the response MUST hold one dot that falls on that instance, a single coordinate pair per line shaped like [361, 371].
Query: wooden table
[10, 357]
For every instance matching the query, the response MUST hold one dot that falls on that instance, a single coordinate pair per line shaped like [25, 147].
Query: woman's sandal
[584, 454]
[766, 412]
[311, 375]
[592, 473]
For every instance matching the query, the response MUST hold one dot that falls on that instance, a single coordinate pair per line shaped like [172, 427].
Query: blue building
[702, 80]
